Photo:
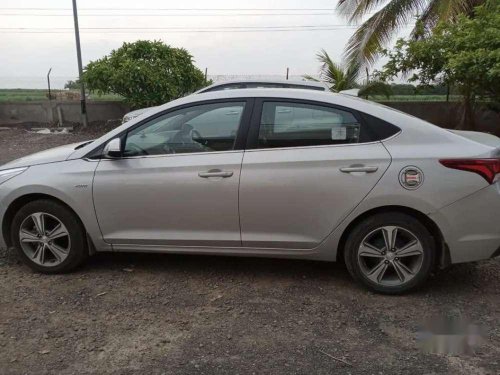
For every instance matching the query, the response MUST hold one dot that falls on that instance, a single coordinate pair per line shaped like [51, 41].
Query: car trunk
[483, 138]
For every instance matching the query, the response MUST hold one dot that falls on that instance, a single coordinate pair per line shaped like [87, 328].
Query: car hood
[48, 156]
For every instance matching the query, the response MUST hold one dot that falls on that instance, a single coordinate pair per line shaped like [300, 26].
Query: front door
[177, 182]
[310, 166]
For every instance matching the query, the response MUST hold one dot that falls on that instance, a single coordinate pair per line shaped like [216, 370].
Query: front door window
[201, 128]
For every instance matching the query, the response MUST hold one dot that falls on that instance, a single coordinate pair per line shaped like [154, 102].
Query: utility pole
[48, 84]
[287, 73]
[83, 104]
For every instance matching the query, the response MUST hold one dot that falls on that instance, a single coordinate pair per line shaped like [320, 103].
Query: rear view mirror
[113, 149]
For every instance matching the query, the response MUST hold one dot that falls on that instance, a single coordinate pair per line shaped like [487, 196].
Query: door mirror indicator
[113, 149]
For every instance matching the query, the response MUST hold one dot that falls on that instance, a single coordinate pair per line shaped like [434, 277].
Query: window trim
[253, 134]
[239, 144]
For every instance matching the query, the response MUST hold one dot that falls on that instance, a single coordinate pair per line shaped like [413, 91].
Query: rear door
[307, 166]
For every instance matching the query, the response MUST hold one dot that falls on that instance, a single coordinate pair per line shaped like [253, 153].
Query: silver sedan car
[263, 172]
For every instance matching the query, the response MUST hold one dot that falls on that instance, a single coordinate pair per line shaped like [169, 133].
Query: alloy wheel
[390, 256]
[44, 239]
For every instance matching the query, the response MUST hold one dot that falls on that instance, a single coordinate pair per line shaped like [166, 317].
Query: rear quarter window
[379, 128]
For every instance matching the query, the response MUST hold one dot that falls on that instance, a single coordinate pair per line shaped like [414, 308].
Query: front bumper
[471, 226]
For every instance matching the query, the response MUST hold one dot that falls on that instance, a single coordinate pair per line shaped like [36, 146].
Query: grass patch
[15, 95]
[415, 98]
[27, 95]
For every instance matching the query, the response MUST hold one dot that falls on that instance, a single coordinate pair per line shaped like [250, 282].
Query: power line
[184, 9]
[159, 30]
[174, 31]
[179, 29]
[168, 15]
[208, 28]
[183, 31]
[174, 27]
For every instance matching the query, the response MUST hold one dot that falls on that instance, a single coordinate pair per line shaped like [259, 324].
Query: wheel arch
[21, 201]
[442, 256]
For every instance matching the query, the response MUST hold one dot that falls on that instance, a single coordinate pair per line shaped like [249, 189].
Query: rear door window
[297, 125]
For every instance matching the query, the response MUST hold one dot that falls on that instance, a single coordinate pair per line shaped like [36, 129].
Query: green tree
[341, 77]
[465, 54]
[145, 73]
[380, 27]
[72, 85]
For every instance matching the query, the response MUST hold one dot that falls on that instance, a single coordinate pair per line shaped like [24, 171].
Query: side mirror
[113, 149]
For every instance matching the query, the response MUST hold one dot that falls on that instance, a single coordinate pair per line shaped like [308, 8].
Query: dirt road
[170, 314]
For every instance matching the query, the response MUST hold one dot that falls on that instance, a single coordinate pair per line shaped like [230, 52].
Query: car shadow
[455, 279]
[222, 265]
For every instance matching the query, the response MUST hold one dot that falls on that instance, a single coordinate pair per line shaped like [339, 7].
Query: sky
[226, 37]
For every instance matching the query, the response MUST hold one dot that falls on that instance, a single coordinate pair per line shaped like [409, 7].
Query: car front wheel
[49, 237]
[390, 253]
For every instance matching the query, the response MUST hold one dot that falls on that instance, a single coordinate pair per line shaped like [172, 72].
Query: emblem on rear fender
[411, 177]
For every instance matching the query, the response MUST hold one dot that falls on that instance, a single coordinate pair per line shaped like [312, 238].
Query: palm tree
[337, 76]
[340, 77]
[377, 31]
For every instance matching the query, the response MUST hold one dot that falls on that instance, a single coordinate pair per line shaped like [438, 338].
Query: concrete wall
[45, 112]
[440, 113]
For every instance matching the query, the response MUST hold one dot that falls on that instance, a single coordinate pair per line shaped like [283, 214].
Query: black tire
[77, 252]
[371, 225]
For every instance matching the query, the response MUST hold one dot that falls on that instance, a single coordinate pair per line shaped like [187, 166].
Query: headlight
[7, 174]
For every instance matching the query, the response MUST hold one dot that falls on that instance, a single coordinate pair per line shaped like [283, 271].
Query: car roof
[348, 101]
[285, 93]
[320, 85]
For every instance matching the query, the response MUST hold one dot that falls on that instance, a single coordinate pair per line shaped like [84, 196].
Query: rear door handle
[360, 168]
[215, 173]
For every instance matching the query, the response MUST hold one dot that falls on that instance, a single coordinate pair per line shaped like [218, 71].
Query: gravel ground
[172, 314]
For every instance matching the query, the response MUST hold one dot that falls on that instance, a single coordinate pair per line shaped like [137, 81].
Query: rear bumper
[471, 226]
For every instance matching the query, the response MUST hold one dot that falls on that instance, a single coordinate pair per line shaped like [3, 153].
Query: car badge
[411, 178]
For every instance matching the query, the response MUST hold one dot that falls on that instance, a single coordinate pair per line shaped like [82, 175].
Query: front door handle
[360, 168]
[215, 173]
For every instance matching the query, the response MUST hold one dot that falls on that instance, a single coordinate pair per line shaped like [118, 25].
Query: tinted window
[294, 124]
[203, 128]
[381, 129]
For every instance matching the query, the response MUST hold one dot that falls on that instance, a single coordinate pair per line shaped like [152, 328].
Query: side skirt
[229, 251]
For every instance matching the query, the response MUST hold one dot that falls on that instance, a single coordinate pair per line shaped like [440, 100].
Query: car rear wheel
[49, 237]
[390, 253]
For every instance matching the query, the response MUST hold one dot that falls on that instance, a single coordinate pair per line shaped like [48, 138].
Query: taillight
[487, 168]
